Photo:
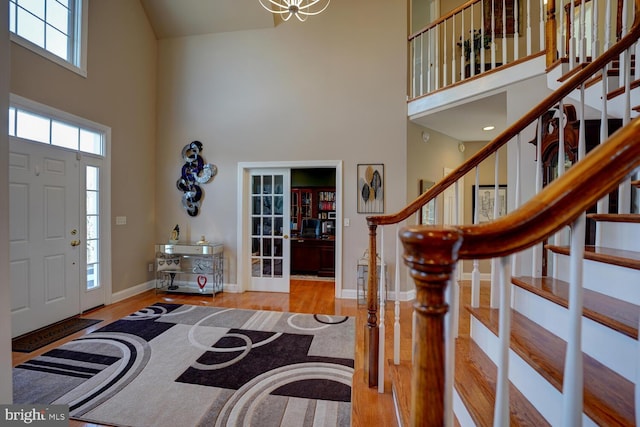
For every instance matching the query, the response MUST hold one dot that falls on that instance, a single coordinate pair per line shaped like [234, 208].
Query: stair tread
[632, 218]
[620, 257]
[401, 389]
[475, 381]
[608, 397]
[619, 315]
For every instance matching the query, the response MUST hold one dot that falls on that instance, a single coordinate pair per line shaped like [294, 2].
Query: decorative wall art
[194, 172]
[370, 188]
[487, 199]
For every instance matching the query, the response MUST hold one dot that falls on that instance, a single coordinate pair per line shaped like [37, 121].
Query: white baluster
[381, 329]
[504, 31]
[529, 41]
[396, 322]
[450, 346]
[516, 31]
[495, 287]
[536, 254]
[462, 38]
[594, 29]
[445, 60]
[453, 49]
[475, 274]
[501, 410]
[493, 34]
[515, 266]
[603, 203]
[624, 190]
[573, 377]
[572, 39]
[543, 11]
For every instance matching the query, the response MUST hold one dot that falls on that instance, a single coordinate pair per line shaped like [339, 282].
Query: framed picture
[486, 201]
[370, 188]
[498, 7]
[428, 211]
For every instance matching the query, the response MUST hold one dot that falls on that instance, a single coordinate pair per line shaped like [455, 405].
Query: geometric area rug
[184, 365]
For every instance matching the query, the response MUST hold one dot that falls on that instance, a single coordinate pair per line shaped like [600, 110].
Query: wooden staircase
[537, 354]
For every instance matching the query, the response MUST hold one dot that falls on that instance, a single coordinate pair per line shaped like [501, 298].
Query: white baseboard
[483, 276]
[132, 291]
[391, 296]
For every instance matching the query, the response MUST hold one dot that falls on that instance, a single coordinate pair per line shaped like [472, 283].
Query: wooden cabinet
[313, 256]
[302, 204]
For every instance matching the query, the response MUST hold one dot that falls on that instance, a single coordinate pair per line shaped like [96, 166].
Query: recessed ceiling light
[488, 128]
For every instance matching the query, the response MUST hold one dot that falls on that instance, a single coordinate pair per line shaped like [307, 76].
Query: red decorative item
[202, 281]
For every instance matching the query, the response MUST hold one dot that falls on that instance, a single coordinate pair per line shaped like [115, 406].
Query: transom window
[52, 28]
[39, 128]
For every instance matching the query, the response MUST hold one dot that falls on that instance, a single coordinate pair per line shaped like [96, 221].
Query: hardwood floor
[369, 407]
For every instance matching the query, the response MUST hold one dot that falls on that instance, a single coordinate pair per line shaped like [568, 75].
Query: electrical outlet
[150, 267]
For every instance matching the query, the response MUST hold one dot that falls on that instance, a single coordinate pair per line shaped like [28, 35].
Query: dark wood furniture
[313, 256]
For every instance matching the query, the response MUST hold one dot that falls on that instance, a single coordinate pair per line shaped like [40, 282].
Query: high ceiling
[182, 18]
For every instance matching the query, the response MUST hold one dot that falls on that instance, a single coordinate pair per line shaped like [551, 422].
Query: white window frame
[81, 30]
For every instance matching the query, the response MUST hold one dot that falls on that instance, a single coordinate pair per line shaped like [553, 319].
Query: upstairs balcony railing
[484, 35]
[432, 252]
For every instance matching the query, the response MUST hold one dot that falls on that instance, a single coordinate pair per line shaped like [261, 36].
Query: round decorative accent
[461, 147]
[425, 136]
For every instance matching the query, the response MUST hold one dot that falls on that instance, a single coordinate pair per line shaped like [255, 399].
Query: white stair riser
[461, 412]
[620, 235]
[608, 279]
[542, 395]
[615, 350]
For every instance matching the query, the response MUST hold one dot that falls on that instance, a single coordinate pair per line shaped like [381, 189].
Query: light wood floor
[370, 408]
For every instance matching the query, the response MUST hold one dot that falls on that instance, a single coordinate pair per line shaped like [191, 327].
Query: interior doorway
[325, 224]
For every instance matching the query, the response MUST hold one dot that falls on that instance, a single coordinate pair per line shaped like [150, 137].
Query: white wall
[6, 384]
[331, 88]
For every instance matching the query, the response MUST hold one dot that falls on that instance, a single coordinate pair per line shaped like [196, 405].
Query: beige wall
[6, 393]
[119, 91]
[331, 88]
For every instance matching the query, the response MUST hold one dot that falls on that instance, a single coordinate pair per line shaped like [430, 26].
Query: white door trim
[243, 254]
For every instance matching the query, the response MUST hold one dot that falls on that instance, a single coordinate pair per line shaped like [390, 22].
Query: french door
[269, 229]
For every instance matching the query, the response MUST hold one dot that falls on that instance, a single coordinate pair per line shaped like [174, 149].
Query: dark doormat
[37, 339]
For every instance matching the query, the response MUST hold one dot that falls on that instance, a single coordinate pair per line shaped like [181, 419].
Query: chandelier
[298, 8]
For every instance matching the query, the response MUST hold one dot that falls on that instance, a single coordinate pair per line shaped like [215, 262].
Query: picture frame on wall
[487, 198]
[370, 191]
[427, 213]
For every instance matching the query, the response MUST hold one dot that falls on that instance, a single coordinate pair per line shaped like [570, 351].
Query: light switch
[121, 220]
[347, 222]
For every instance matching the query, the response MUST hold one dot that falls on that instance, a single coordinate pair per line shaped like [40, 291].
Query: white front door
[45, 240]
[269, 235]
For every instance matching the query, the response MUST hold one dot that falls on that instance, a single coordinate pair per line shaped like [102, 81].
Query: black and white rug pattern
[172, 364]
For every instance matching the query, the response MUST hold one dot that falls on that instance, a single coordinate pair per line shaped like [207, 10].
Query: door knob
[75, 242]
[286, 236]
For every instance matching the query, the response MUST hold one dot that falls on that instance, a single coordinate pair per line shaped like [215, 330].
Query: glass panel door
[270, 223]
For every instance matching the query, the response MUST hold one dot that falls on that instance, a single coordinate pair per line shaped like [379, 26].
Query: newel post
[371, 332]
[431, 254]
